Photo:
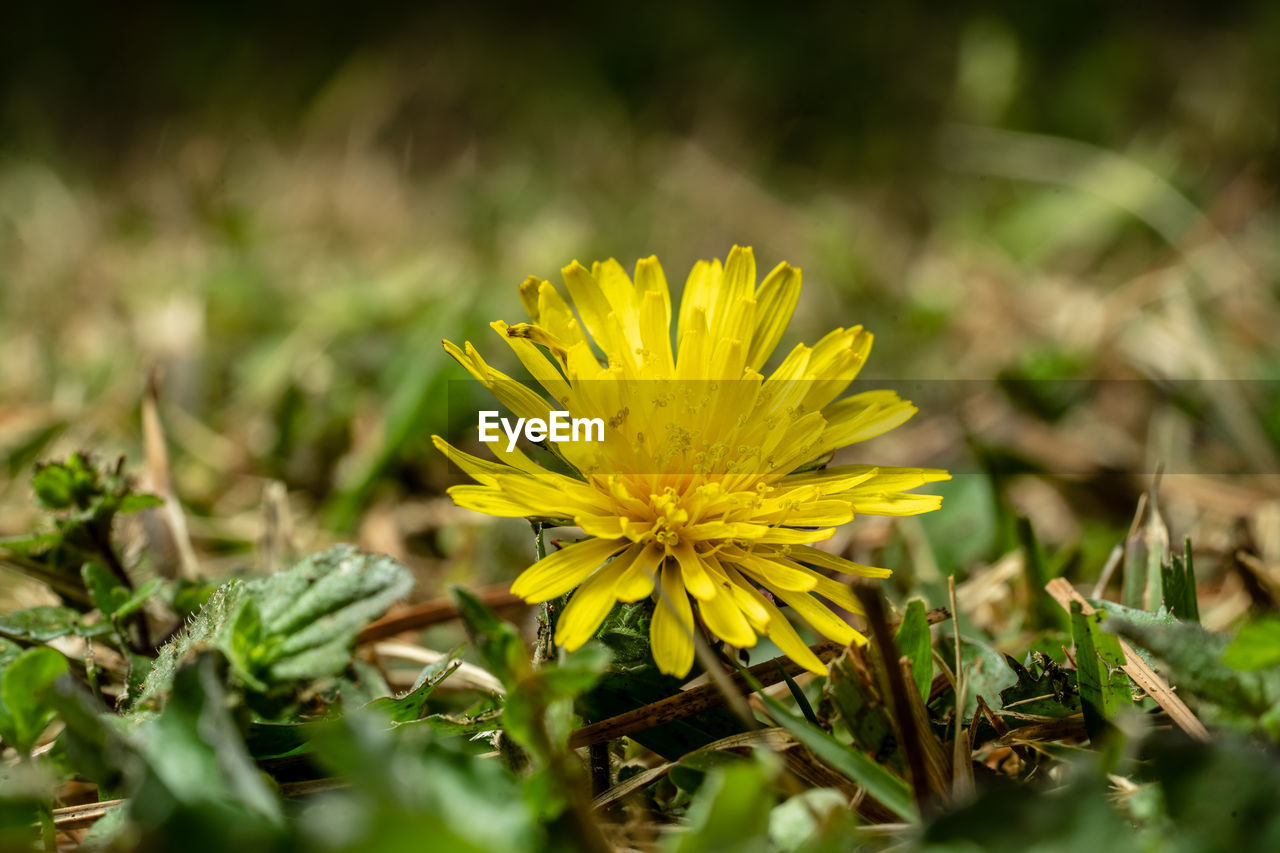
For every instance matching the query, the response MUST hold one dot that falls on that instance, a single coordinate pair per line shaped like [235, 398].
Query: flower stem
[543, 648]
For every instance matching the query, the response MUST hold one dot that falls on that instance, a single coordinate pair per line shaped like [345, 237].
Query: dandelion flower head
[704, 493]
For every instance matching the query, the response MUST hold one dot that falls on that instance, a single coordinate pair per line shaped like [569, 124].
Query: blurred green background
[282, 211]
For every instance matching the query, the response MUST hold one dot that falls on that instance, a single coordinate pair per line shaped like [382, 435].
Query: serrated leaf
[201, 631]
[311, 613]
[295, 625]
[410, 706]
[625, 632]
[1043, 689]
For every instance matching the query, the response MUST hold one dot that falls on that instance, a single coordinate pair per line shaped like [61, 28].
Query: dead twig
[418, 616]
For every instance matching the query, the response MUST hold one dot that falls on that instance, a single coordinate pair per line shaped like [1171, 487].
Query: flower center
[670, 517]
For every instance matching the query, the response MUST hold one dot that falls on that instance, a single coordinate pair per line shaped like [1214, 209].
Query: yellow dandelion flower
[702, 491]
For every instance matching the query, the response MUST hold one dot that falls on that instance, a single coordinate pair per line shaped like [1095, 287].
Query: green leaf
[140, 597]
[625, 632]
[133, 502]
[320, 605]
[577, 673]
[1193, 661]
[1146, 552]
[730, 812]
[411, 705]
[9, 652]
[497, 641]
[1179, 579]
[55, 486]
[278, 740]
[1044, 689]
[447, 724]
[986, 671]
[45, 623]
[1104, 688]
[968, 530]
[1256, 646]
[201, 631]
[92, 746]
[916, 642]
[196, 764]
[413, 790]
[292, 626]
[864, 714]
[1044, 612]
[106, 590]
[889, 789]
[24, 714]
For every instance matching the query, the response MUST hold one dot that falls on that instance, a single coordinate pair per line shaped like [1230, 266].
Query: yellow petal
[589, 605]
[529, 296]
[737, 286]
[819, 617]
[514, 395]
[775, 303]
[655, 335]
[724, 618]
[559, 572]
[489, 501]
[637, 581]
[603, 526]
[597, 314]
[772, 574]
[827, 560]
[896, 504]
[616, 286]
[539, 367]
[785, 637]
[703, 279]
[651, 279]
[671, 632]
[749, 599]
[695, 576]
[478, 469]
[555, 315]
